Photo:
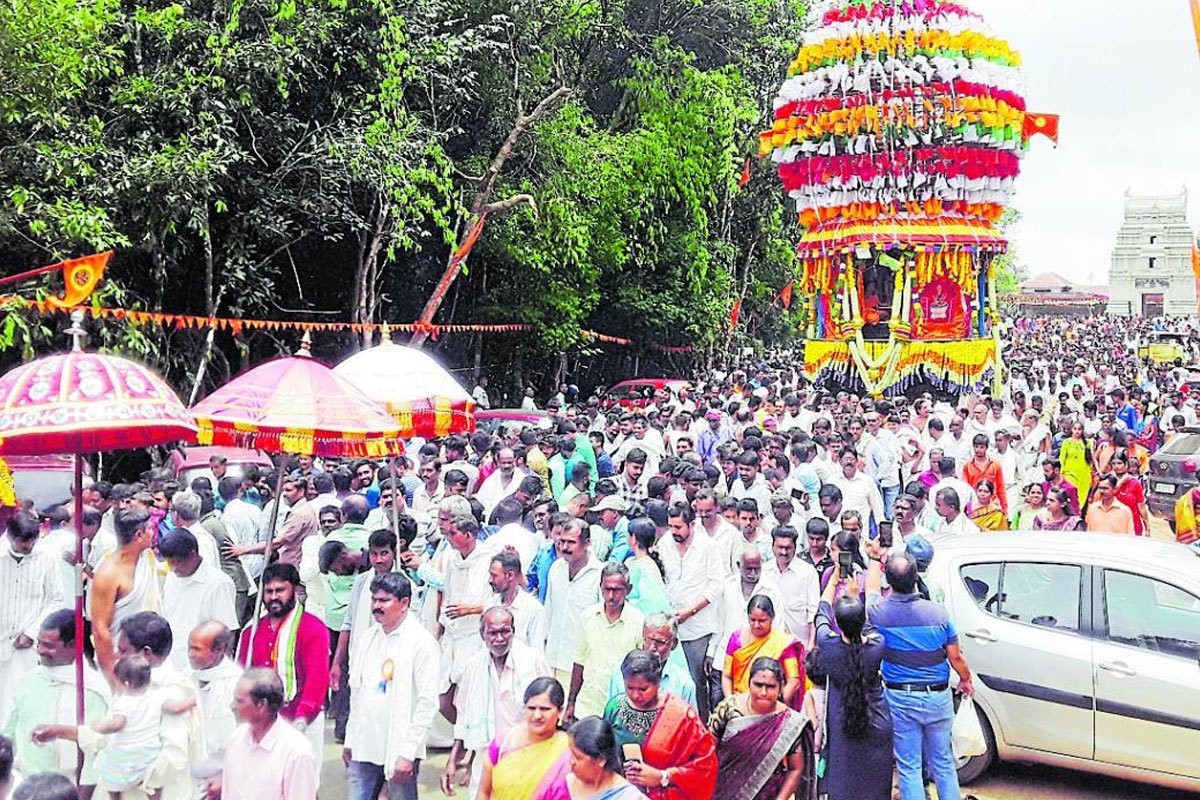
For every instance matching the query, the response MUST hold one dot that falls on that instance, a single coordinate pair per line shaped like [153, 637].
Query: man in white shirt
[501, 483]
[506, 575]
[954, 522]
[194, 591]
[393, 678]
[750, 484]
[30, 589]
[752, 533]
[737, 591]
[488, 698]
[465, 592]
[185, 511]
[243, 521]
[948, 470]
[573, 585]
[859, 491]
[215, 677]
[709, 519]
[693, 574]
[798, 583]
[513, 533]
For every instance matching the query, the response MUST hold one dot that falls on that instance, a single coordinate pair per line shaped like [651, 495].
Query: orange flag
[1045, 124]
[80, 276]
[734, 314]
[745, 178]
[786, 295]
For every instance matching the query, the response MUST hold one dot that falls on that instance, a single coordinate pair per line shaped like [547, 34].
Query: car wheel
[972, 769]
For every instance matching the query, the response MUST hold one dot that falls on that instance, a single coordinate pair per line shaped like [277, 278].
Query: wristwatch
[665, 780]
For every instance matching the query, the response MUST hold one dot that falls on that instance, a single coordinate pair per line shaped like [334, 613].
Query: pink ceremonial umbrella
[81, 403]
[295, 405]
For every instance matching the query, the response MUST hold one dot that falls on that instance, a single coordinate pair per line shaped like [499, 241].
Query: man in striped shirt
[921, 645]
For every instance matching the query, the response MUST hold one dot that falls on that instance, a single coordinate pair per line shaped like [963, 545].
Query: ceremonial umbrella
[415, 389]
[295, 405]
[80, 403]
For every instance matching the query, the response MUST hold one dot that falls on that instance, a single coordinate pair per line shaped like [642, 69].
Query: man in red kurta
[982, 467]
[296, 645]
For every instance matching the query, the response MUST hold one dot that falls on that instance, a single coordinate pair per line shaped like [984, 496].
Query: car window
[1183, 444]
[620, 392]
[1150, 614]
[1046, 595]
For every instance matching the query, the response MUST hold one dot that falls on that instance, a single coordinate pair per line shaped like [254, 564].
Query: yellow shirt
[602, 646]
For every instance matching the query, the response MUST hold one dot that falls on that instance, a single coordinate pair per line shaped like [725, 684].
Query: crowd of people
[700, 597]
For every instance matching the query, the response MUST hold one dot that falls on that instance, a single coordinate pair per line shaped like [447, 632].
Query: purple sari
[750, 753]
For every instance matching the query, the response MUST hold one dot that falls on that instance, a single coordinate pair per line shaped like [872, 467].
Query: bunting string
[237, 325]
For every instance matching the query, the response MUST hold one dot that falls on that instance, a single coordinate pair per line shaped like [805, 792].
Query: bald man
[214, 676]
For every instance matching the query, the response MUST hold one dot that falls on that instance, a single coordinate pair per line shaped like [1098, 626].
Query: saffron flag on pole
[734, 314]
[785, 296]
[1196, 21]
[745, 178]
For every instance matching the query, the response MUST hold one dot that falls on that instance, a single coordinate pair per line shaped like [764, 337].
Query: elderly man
[32, 589]
[194, 591]
[185, 513]
[608, 631]
[45, 695]
[465, 593]
[508, 584]
[660, 636]
[488, 698]
[267, 759]
[738, 589]
[393, 679]
[214, 677]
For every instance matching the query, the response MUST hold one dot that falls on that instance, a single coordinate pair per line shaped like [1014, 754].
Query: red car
[639, 392]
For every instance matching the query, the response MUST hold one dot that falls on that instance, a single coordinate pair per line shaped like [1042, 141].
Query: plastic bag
[966, 736]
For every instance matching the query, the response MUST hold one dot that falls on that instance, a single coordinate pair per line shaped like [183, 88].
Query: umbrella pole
[79, 632]
[395, 508]
[258, 603]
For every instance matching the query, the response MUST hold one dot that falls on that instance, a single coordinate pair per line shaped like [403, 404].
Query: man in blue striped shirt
[921, 645]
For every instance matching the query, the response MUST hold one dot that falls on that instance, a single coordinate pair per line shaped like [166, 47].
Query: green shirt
[39, 699]
[340, 586]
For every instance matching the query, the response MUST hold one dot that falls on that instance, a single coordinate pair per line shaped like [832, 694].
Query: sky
[1125, 78]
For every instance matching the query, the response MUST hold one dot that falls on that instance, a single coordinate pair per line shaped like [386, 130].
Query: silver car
[1085, 649]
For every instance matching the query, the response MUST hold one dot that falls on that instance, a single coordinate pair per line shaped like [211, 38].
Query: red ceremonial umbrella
[80, 403]
[295, 405]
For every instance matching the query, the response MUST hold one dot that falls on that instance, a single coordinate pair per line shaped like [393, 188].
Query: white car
[1085, 649]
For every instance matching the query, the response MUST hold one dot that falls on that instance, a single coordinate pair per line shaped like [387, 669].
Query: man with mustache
[393, 678]
[296, 645]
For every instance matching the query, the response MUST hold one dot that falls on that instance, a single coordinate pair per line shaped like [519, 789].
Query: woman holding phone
[759, 739]
[669, 753]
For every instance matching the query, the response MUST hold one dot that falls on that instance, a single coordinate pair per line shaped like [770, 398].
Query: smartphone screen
[846, 564]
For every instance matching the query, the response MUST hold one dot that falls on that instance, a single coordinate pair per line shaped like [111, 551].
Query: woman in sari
[1056, 516]
[669, 753]
[858, 751]
[648, 593]
[1187, 512]
[1131, 492]
[533, 757]
[761, 639]
[985, 510]
[1035, 502]
[595, 772]
[1076, 458]
[758, 739]
[1148, 432]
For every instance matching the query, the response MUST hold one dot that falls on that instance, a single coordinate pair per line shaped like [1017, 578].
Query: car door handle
[981, 635]
[1118, 668]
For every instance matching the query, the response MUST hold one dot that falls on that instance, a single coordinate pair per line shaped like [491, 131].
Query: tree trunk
[482, 205]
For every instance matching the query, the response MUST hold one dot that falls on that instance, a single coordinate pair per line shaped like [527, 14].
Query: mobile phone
[846, 564]
[631, 751]
[884, 536]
